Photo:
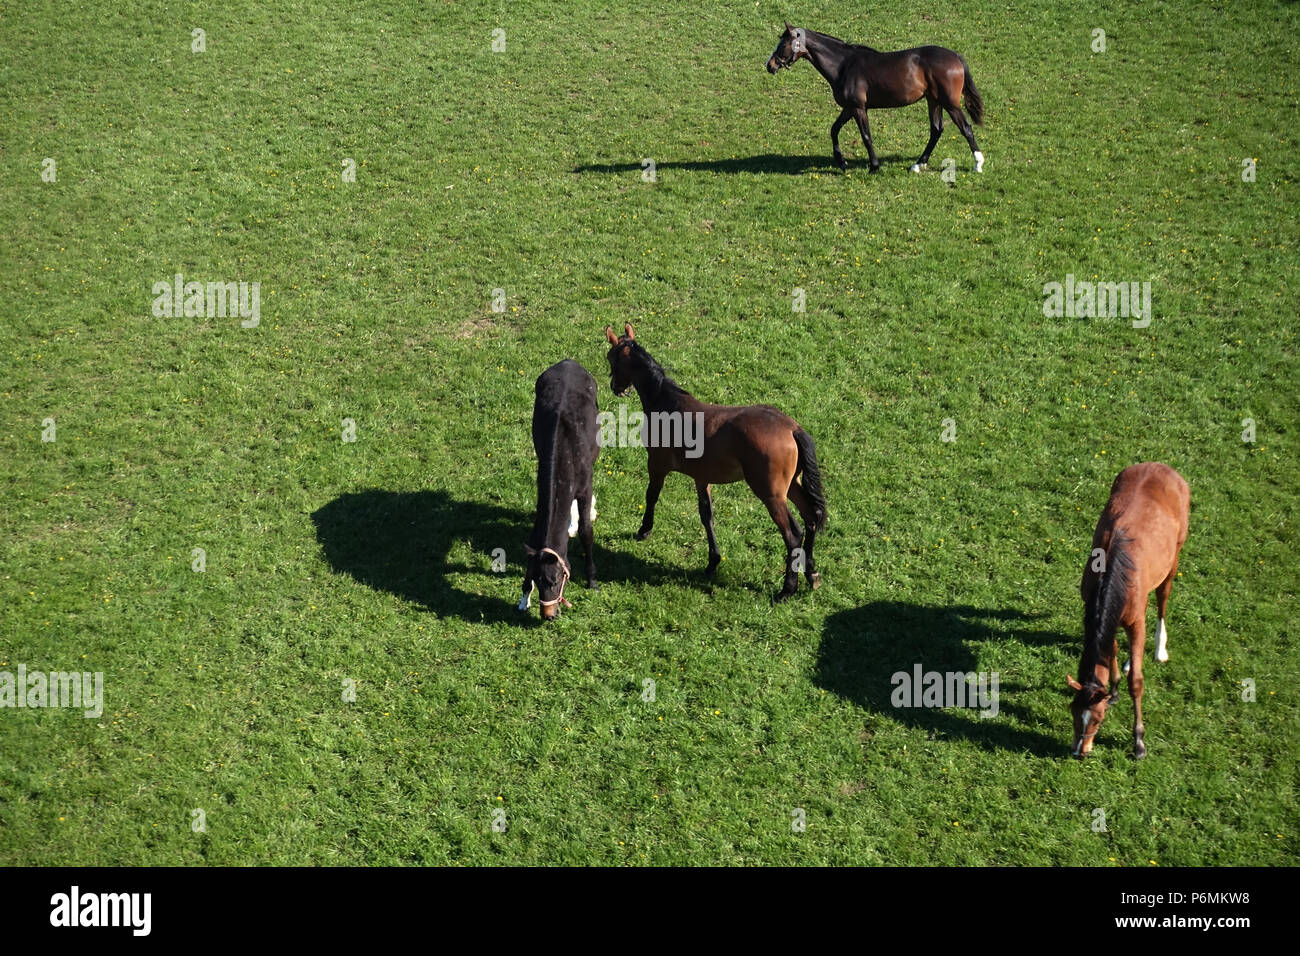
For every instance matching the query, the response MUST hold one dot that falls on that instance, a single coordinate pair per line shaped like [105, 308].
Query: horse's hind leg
[585, 532]
[835, 137]
[1162, 599]
[936, 129]
[780, 513]
[706, 518]
[800, 499]
[968, 131]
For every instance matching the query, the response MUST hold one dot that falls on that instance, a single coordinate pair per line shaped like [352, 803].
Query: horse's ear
[788, 28]
[609, 334]
[627, 327]
[530, 550]
[1074, 684]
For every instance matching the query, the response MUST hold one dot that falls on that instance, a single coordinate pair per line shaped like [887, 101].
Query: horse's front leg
[1137, 640]
[860, 113]
[835, 137]
[657, 475]
[706, 518]
[1114, 672]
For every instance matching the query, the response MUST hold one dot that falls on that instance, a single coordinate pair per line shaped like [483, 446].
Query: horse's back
[1152, 488]
[565, 399]
[1149, 505]
[756, 422]
[566, 377]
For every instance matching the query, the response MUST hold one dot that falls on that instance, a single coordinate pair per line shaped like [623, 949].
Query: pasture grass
[370, 561]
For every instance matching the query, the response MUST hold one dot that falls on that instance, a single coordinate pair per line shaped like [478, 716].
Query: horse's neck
[552, 522]
[661, 397]
[827, 54]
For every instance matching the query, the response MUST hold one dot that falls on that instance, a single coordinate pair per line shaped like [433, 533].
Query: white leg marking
[573, 518]
[979, 161]
[593, 507]
[916, 167]
[1162, 643]
[526, 601]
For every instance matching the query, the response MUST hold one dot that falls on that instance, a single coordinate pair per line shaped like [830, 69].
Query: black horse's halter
[798, 45]
[564, 566]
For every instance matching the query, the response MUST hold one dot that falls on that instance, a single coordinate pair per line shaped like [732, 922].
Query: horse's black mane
[659, 380]
[851, 46]
[1101, 612]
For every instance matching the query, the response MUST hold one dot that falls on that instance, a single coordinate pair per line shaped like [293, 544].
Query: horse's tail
[812, 476]
[974, 102]
[1101, 613]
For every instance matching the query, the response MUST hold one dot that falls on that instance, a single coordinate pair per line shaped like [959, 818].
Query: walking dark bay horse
[862, 79]
[756, 443]
[1134, 551]
[565, 438]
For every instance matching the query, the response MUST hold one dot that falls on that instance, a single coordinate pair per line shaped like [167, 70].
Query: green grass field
[329, 561]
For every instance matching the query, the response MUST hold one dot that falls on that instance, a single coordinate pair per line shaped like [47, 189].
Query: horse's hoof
[592, 585]
[1112, 698]
[815, 580]
[711, 569]
[917, 167]
[643, 534]
[875, 168]
[979, 161]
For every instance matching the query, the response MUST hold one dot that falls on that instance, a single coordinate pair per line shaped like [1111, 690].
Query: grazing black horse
[565, 437]
[862, 79]
[718, 444]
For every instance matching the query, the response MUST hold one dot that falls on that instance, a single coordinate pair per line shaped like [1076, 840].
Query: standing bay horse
[1134, 551]
[862, 79]
[756, 443]
[565, 438]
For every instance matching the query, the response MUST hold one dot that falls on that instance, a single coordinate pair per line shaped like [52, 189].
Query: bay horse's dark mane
[851, 46]
[658, 378]
[1101, 613]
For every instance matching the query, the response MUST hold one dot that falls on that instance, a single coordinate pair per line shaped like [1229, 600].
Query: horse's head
[550, 572]
[623, 359]
[1088, 709]
[792, 45]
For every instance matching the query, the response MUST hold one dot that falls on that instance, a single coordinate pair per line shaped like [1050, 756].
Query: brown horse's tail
[812, 476]
[974, 102]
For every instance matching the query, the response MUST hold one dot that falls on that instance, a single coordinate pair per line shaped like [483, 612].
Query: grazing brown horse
[862, 79]
[757, 443]
[1134, 551]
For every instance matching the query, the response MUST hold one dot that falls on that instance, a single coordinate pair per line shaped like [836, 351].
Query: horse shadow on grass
[762, 163]
[863, 648]
[403, 543]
